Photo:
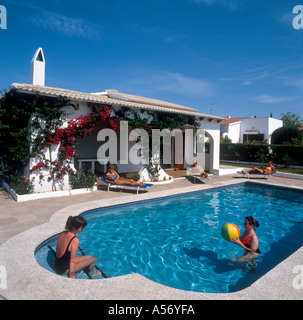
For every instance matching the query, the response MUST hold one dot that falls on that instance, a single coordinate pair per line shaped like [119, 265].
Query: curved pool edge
[26, 279]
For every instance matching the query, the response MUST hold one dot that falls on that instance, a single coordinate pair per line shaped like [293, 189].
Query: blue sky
[221, 57]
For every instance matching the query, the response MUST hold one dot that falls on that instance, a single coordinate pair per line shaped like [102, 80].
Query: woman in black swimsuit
[67, 246]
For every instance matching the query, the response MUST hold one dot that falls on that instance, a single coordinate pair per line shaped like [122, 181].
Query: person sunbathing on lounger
[198, 170]
[112, 176]
[266, 170]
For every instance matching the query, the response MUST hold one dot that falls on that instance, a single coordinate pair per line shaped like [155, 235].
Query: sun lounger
[195, 176]
[114, 185]
[257, 174]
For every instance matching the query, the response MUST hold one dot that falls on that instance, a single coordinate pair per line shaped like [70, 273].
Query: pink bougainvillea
[67, 139]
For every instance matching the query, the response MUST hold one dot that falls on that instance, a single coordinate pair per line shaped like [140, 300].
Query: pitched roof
[111, 97]
[227, 121]
[114, 94]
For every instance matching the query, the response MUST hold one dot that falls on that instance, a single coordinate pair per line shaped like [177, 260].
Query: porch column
[215, 153]
[213, 130]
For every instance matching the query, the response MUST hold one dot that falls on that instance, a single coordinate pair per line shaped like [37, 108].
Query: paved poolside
[15, 218]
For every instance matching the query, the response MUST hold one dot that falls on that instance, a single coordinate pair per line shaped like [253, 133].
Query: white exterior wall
[273, 125]
[232, 131]
[88, 148]
[264, 125]
[258, 124]
[236, 130]
[43, 185]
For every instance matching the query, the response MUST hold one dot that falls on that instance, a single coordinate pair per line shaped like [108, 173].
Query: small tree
[286, 135]
[262, 156]
[291, 119]
[225, 139]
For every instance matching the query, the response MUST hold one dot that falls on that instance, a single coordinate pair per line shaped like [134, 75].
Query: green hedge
[242, 151]
[279, 154]
[287, 155]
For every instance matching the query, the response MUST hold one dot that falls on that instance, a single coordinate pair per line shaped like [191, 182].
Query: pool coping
[26, 279]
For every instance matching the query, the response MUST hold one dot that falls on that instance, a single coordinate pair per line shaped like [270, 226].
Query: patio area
[19, 217]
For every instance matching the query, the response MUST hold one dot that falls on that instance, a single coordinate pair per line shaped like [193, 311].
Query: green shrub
[82, 179]
[287, 155]
[286, 135]
[22, 185]
[133, 175]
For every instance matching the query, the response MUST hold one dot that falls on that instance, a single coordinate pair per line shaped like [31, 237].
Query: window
[252, 137]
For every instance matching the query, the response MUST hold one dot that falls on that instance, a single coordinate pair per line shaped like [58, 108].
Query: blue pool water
[177, 240]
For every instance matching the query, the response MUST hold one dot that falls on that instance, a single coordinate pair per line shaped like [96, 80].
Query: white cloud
[282, 73]
[163, 33]
[245, 83]
[295, 82]
[176, 37]
[208, 2]
[180, 84]
[269, 99]
[287, 19]
[72, 27]
[147, 80]
[231, 4]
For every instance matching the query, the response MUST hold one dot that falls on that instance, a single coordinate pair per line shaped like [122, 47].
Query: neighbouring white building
[115, 100]
[244, 129]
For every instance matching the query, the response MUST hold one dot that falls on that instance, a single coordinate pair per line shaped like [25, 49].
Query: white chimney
[38, 68]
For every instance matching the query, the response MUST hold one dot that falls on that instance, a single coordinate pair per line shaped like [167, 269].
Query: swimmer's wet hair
[252, 221]
[75, 223]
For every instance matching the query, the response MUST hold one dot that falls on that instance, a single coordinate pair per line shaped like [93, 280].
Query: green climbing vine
[32, 125]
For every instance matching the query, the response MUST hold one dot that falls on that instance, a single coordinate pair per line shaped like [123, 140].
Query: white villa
[244, 129]
[115, 100]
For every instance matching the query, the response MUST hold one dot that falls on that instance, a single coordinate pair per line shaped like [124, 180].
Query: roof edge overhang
[77, 96]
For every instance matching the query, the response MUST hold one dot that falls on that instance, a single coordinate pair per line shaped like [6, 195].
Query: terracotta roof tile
[232, 120]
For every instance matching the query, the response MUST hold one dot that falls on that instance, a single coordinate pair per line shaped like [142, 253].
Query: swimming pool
[176, 240]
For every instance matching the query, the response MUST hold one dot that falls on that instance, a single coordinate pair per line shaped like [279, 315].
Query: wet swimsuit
[245, 242]
[62, 264]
